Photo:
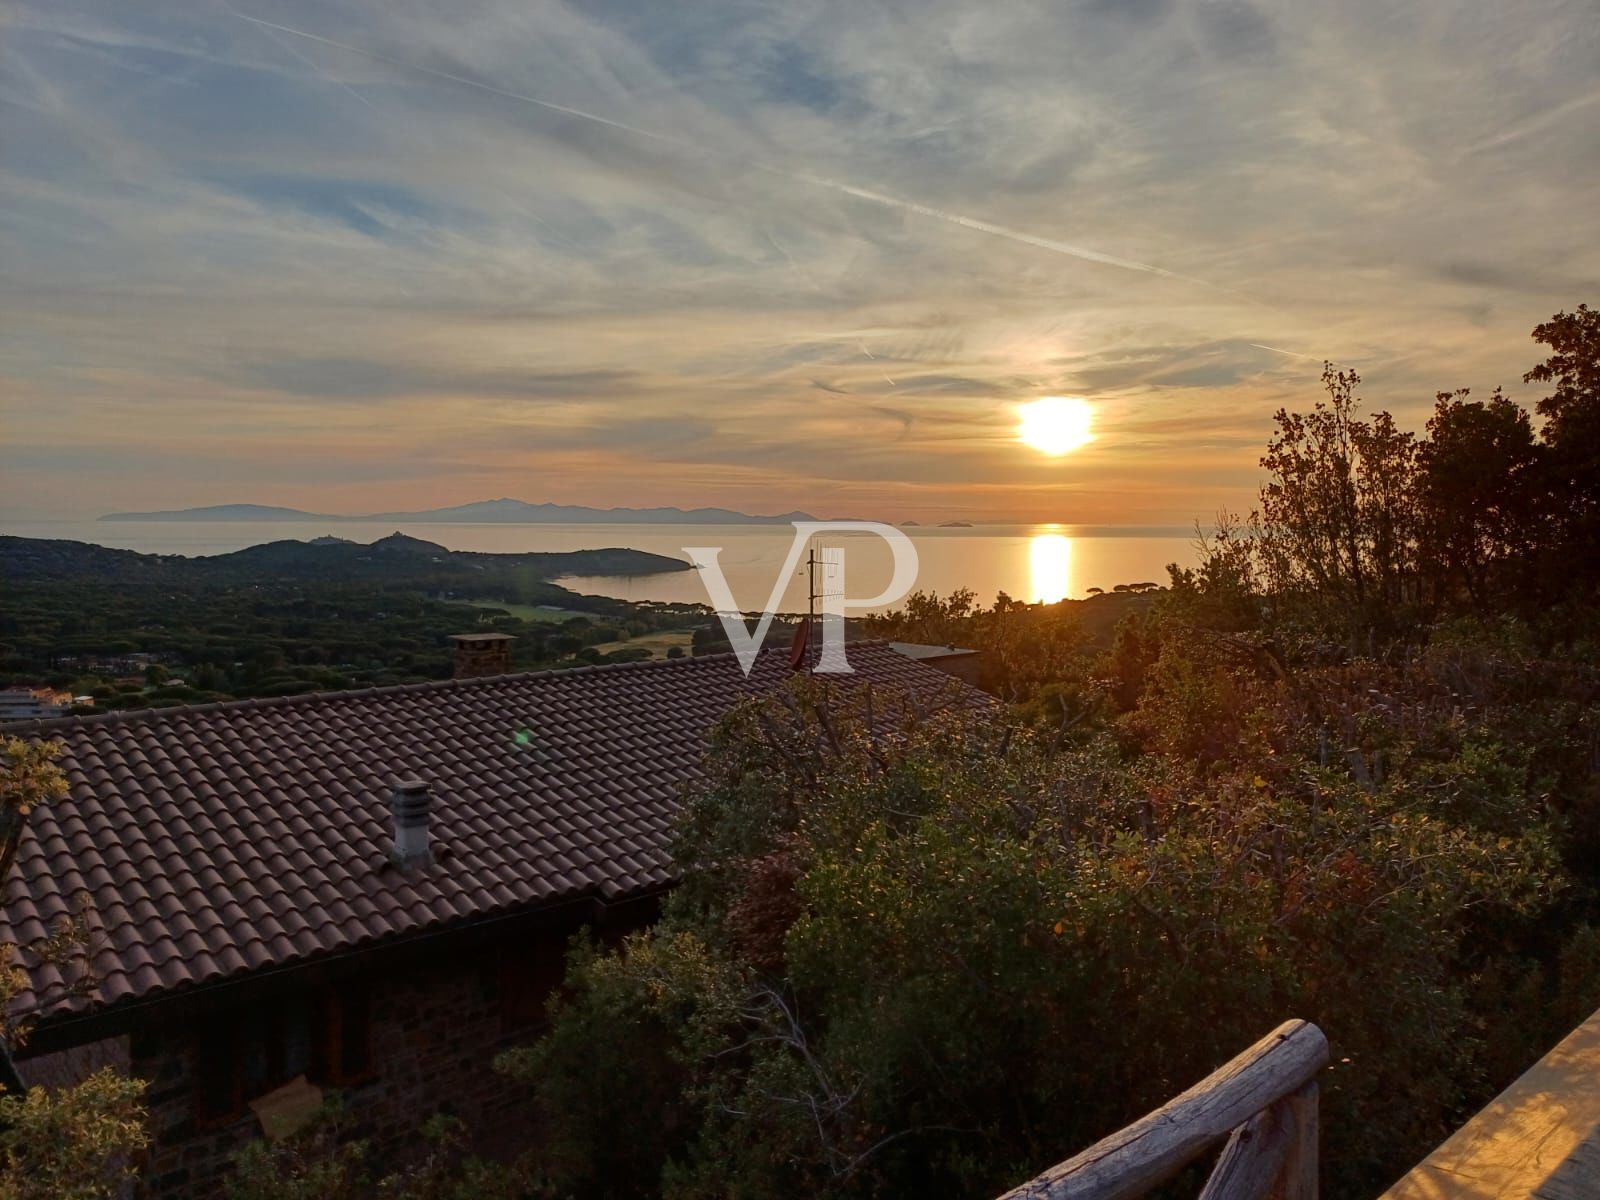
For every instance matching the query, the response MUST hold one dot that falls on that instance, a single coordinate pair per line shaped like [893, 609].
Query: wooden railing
[1264, 1102]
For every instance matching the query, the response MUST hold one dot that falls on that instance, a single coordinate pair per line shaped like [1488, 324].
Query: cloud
[742, 255]
[367, 379]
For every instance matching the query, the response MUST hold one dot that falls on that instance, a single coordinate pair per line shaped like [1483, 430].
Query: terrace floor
[1539, 1138]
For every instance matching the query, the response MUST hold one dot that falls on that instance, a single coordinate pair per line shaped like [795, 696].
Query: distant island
[955, 525]
[504, 510]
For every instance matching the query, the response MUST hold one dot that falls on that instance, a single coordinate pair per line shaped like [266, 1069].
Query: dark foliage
[1344, 769]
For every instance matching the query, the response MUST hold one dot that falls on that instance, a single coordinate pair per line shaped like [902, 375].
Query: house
[32, 703]
[366, 890]
[959, 661]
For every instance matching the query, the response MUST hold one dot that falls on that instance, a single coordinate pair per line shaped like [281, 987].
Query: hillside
[133, 630]
[396, 560]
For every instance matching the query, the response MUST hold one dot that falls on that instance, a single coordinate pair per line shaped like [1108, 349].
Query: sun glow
[1056, 425]
[1050, 567]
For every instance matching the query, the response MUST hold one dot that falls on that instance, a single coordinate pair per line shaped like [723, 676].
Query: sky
[359, 255]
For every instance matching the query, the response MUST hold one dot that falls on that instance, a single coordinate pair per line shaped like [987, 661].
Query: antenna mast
[811, 604]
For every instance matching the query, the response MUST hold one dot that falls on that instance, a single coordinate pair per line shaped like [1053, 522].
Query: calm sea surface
[1027, 562]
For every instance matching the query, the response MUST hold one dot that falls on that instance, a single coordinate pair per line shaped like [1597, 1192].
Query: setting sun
[1056, 425]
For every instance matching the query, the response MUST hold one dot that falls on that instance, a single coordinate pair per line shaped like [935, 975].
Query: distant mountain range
[504, 510]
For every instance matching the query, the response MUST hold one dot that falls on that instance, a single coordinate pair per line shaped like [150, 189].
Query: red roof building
[370, 890]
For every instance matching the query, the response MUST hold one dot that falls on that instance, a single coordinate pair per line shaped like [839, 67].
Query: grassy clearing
[657, 643]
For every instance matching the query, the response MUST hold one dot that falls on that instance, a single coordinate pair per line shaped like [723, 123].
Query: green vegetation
[322, 1162]
[523, 612]
[1342, 770]
[71, 1143]
[1028, 651]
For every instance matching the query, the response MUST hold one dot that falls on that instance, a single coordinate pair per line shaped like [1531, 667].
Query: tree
[1478, 496]
[1572, 435]
[1338, 514]
[1572, 410]
[29, 777]
[1021, 647]
[72, 1143]
[322, 1162]
[1309, 504]
[1386, 499]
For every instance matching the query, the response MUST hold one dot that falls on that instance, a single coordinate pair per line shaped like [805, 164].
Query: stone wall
[434, 1033]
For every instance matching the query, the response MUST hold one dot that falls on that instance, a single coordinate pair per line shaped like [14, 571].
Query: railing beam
[1133, 1160]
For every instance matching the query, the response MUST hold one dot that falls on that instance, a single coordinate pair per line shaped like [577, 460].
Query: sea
[1032, 563]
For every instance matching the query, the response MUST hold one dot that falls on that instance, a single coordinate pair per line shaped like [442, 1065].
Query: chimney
[479, 654]
[409, 804]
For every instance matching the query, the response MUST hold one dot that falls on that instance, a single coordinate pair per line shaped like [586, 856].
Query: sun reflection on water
[1050, 567]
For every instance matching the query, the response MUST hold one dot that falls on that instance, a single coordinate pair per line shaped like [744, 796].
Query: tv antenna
[831, 562]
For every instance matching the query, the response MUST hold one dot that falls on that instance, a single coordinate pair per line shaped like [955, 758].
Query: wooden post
[1300, 1171]
[1253, 1160]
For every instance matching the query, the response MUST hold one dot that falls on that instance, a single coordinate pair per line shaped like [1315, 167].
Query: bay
[1026, 562]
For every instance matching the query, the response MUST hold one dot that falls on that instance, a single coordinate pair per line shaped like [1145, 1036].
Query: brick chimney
[479, 654]
[409, 805]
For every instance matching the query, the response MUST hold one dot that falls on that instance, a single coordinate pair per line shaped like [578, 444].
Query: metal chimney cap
[410, 804]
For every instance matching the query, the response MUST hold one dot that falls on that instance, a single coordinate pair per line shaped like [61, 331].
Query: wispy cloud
[765, 254]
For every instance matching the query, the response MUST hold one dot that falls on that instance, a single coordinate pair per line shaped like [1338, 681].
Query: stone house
[367, 891]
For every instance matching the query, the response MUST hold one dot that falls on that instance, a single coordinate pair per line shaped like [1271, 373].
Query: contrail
[1293, 354]
[285, 46]
[816, 287]
[1532, 124]
[846, 189]
[466, 81]
[1320, 358]
[1016, 235]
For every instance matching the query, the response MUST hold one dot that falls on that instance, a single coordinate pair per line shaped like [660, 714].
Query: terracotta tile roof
[219, 839]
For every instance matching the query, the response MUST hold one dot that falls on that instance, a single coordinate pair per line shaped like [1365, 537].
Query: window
[217, 1084]
[346, 1044]
[529, 974]
[243, 1054]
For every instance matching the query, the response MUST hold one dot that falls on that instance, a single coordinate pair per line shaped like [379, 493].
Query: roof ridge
[128, 716]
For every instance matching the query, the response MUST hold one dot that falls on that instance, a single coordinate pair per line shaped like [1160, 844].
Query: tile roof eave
[57, 1026]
